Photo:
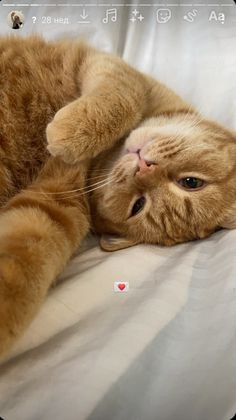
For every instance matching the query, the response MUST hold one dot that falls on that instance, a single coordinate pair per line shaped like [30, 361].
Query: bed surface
[165, 350]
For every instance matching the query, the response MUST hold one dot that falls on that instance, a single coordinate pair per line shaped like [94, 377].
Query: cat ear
[230, 220]
[114, 243]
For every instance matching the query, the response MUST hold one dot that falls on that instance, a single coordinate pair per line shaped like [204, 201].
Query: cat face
[173, 180]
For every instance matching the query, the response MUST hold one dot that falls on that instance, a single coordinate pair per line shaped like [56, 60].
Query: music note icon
[111, 14]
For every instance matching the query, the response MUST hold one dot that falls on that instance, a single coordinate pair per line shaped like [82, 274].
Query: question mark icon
[34, 19]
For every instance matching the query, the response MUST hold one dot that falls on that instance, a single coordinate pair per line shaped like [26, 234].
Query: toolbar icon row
[162, 16]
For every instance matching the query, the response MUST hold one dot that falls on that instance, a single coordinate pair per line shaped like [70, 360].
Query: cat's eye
[191, 183]
[138, 205]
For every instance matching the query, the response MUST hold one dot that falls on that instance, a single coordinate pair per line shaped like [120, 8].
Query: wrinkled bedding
[164, 350]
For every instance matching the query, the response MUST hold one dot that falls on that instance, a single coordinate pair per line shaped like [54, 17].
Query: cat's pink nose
[144, 166]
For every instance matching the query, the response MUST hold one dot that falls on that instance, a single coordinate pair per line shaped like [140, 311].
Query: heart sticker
[121, 286]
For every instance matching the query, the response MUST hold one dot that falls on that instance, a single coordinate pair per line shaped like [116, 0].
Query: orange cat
[171, 180]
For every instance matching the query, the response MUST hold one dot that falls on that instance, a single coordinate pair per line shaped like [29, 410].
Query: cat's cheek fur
[229, 221]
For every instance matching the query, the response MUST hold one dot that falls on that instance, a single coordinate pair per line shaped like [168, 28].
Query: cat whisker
[87, 188]
[70, 191]
[71, 196]
[100, 186]
[98, 176]
[99, 170]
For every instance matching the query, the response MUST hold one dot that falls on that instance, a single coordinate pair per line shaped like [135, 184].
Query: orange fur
[177, 147]
[90, 102]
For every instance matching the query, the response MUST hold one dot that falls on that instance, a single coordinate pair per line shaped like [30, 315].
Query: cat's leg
[114, 100]
[39, 231]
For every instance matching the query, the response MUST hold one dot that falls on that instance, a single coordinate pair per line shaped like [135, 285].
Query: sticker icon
[163, 15]
[121, 286]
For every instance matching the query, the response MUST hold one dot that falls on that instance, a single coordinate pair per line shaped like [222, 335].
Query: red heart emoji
[121, 286]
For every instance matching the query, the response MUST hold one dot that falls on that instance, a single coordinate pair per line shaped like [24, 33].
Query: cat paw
[70, 136]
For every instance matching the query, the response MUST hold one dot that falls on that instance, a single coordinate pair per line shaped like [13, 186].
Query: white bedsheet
[165, 350]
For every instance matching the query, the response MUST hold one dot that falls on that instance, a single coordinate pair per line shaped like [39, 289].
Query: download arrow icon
[84, 15]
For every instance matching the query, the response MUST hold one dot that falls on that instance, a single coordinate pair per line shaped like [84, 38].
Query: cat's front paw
[70, 135]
